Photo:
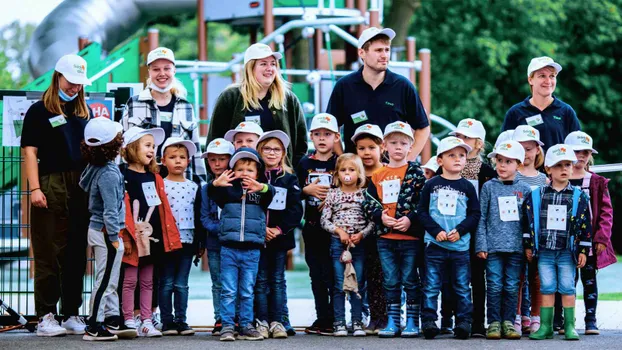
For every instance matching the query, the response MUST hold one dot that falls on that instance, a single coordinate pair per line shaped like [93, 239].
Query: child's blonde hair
[358, 165]
[130, 154]
[539, 161]
[284, 158]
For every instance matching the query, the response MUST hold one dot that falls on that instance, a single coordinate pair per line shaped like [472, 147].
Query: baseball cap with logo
[541, 62]
[135, 133]
[161, 53]
[504, 136]
[277, 134]
[219, 146]
[580, 141]
[509, 149]
[367, 129]
[324, 121]
[100, 131]
[258, 51]
[524, 133]
[190, 146]
[249, 127]
[73, 68]
[400, 127]
[432, 164]
[470, 128]
[449, 143]
[372, 32]
[559, 153]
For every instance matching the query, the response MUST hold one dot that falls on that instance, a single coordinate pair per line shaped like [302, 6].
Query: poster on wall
[101, 107]
[14, 110]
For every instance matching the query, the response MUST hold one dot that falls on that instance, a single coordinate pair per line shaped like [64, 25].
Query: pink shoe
[517, 324]
[535, 323]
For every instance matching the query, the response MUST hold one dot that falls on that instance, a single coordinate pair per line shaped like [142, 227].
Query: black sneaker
[462, 330]
[98, 333]
[314, 328]
[114, 326]
[226, 334]
[184, 329]
[430, 329]
[217, 328]
[250, 333]
[478, 330]
[591, 328]
[326, 329]
[170, 328]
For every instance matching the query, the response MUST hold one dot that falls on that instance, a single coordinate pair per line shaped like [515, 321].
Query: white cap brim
[463, 145]
[557, 66]
[278, 134]
[160, 58]
[241, 155]
[386, 31]
[190, 146]
[526, 139]
[77, 79]
[277, 56]
[583, 148]
[157, 133]
[465, 132]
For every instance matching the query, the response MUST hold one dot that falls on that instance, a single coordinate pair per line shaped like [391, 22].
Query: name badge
[359, 117]
[534, 120]
[58, 121]
[447, 202]
[324, 179]
[280, 199]
[151, 195]
[390, 191]
[556, 217]
[166, 117]
[254, 119]
[508, 208]
[185, 221]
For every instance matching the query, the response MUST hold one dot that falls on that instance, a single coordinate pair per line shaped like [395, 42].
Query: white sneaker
[74, 325]
[155, 319]
[131, 324]
[263, 328]
[148, 330]
[49, 327]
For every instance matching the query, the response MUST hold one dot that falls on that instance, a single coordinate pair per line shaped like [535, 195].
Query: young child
[103, 181]
[246, 134]
[473, 133]
[149, 233]
[368, 141]
[601, 255]
[218, 154]
[396, 189]
[560, 233]
[243, 200]
[315, 174]
[283, 216]
[529, 138]
[449, 211]
[185, 201]
[343, 217]
[499, 239]
[430, 168]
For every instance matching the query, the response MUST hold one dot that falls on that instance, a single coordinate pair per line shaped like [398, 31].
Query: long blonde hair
[250, 87]
[53, 104]
[284, 158]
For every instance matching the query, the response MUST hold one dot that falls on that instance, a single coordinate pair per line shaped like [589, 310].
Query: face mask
[63, 96]
[162, 90]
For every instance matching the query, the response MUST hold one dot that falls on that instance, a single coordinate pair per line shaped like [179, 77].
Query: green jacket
[229, 112]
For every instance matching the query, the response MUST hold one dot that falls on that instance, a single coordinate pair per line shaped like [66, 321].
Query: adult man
[375, 95]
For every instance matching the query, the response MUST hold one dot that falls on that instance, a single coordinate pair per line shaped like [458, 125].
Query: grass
[606, 297]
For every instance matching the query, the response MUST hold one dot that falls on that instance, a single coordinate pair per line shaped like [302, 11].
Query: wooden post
[147, 44]
[425, 81]
[374, 18]
[268, 19]
[202, 45]
[362, 6]
[83, 42]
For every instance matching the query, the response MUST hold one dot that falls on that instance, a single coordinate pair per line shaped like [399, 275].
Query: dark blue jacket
[210, 220]
[289, 218]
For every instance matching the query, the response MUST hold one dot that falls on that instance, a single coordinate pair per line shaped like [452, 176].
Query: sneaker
[155, 319]
[340, 329]
[462, 330]
[447, 330]
[132, 323]
[277, 331]
[535, 324]
[517, 324]
[184, 329]
[314, 328]
[509, 331]
[74, 325]
[288, 327]
[591, 328]
[137, 321]
[250, 333]
[494, 330]
[326, 329]
[147, 329]
[525, 325]
[226, 334]
[49, 327]
[263, 328]
[217, 328]
[170, 329]
[477, 331]
[113, 326]
[371, 327]
[430, 329]
[382, 324]
[98, 333]
[357, 329]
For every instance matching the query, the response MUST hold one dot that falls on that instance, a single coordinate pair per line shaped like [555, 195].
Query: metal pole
[425, 81]
[202, 46]
[411, 52]
[268, 19]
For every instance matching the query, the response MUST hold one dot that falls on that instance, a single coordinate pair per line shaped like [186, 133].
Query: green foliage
[14, 39]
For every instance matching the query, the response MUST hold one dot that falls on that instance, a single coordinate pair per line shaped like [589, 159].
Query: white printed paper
[325, 179]
[508, 208]
[447, 202]
[279, 200]
[14, 110]
[151, 195]
[390, 191]
[556, 217]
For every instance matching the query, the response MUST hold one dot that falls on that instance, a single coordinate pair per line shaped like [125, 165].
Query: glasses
[272, 150]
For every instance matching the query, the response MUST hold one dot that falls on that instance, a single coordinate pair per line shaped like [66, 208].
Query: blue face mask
[63, 96]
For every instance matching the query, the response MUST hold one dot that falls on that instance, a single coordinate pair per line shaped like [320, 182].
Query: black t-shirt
[266, 121]
[166, 120]
[134, 186]
[56, 138]
[307, 171]
[576, 182]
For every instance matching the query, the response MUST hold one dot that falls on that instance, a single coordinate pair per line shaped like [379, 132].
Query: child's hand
[315, 190]
[128, 248]
[224, 180]
[271, 233]
[529, 254]
[252, 185]
[453, 236]
[115, 245]
[387, 220]
[344, 237]
[482, 255]
[442, 236]
[402, 224]
[200, 252]
[581, 262]
[599, 248]
[356, 238]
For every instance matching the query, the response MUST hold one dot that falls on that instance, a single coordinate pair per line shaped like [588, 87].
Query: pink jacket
[602, 219]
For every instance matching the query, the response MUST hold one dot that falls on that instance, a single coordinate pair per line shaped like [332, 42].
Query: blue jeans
[174, 273]
[438, 262]
[238, 270]
[317, 256]
[503, 278]
[213, 260]
[399, 269]
[270, 286]
[339, 296]
[557, 270]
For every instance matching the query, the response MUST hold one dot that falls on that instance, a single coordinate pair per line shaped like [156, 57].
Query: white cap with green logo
[73, 68]
[580, 141]
[558, 153]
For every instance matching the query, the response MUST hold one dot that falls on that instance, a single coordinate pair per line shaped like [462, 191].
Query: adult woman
[262, 97]
[545, 112]
[53, 130]
[163, 104]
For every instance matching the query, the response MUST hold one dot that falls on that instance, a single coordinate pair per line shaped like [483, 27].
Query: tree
[14, 43]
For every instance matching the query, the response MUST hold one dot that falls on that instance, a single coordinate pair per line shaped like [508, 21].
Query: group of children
[373, 221]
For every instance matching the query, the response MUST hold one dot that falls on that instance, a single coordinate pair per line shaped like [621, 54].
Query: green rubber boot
[570, 332]
[546, 324]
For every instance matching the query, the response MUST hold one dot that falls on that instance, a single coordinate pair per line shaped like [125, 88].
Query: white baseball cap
[371, 32]
[401, 127]
[524, 133]
[258, 51]
[73, 68]
[504, 136]
[244, 153]
[99, 131]
[135, 133]
[324, 121]
[470, 128]
[580, 141]
[509, 149]
[541, 62]
[249, 127]
[450, 143]
[278, 134]
[161, 53]
[219, 146]
[559, 153]
[432, 164]
[367, 129]
[190, 146]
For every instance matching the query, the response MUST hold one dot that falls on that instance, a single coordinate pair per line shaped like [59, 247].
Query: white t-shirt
[181, 197]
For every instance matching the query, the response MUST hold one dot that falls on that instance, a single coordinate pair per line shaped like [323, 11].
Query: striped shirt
[533, 181]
